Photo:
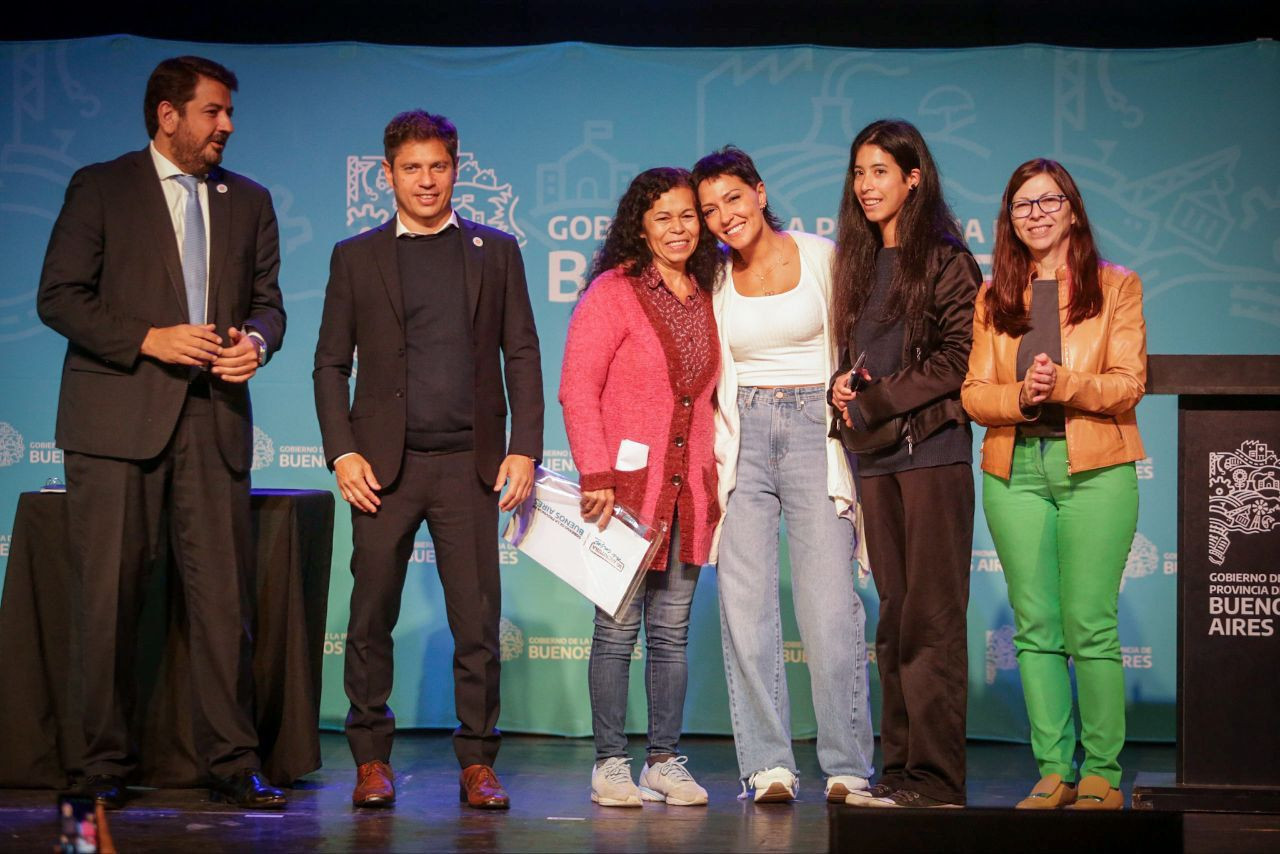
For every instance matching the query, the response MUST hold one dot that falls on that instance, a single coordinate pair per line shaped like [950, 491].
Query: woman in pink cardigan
[640, 365]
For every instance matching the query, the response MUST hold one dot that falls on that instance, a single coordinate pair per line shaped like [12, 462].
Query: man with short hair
[438, 307]
[161, 273]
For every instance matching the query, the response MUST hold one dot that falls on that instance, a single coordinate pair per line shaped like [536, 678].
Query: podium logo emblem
[1244, 495]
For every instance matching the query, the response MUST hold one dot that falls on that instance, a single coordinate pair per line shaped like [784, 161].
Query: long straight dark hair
[1011, 264]
[923, 222]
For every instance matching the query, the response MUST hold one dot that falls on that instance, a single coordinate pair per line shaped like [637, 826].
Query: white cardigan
[816, 253]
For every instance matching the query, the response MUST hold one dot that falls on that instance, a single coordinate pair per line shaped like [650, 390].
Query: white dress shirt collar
[402, 229]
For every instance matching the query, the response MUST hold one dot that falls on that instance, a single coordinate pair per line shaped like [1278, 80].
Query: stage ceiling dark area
[846, 23]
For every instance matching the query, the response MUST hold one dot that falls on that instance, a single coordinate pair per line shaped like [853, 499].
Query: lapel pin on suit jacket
[478, 241]
[222, 188]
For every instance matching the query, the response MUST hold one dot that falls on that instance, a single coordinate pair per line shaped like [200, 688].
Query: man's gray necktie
[194, 261]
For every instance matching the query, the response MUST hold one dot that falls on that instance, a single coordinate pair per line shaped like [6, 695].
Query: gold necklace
[762, 276]
[782, 261]
[771, 269]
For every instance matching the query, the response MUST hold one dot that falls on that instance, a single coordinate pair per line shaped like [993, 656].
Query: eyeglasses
[1050, 203]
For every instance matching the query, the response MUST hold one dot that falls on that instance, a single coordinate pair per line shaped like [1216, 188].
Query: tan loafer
[1095, 793]
[1050, 793]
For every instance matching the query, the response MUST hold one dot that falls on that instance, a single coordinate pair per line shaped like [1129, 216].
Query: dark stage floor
[551, 811]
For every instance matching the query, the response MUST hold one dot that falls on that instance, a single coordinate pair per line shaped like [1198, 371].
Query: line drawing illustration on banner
[477, 195]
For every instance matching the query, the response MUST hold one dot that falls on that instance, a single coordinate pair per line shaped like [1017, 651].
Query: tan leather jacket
[1101, 379]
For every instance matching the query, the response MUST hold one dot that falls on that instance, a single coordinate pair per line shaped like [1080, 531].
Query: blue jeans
[782, 474]
[663, 605]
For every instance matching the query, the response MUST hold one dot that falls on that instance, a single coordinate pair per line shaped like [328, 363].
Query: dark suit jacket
[364, 308]
[112, 271]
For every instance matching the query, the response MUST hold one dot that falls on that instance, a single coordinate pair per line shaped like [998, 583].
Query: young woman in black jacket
[903, 296]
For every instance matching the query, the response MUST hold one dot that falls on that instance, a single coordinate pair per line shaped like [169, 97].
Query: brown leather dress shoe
[375, 785]
[481, 789]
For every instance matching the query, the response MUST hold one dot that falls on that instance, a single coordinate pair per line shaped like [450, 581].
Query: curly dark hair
[924, 222]
[624, 244]
[732, 160]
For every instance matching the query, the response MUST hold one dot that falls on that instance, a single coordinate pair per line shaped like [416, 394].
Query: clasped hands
[200, 345]
[1038, 382]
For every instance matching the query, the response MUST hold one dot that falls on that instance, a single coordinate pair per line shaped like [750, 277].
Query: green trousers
[1063, 540]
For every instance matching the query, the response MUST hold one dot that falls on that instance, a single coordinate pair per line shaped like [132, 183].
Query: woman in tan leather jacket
[1059, 362]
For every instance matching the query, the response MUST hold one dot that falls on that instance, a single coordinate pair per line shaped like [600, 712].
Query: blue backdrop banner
[1174, 150]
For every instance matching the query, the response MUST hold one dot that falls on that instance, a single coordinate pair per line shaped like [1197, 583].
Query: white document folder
[607, 567]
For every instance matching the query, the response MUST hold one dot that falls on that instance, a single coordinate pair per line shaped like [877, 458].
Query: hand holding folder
[606, 566]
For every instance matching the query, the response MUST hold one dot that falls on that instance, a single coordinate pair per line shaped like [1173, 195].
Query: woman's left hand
[842, 391]
[845, 390]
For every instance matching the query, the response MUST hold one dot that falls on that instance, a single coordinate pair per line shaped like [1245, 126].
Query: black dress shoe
[107, 789]
[247, 788]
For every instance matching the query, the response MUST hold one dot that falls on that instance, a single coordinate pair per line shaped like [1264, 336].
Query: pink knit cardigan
[615, 384]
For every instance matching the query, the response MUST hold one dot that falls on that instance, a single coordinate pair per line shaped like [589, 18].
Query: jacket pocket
[629, 490]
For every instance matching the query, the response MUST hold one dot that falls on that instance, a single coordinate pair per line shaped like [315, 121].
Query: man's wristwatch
[261, 343]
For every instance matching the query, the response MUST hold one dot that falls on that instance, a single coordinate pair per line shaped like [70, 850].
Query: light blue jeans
[782, 474]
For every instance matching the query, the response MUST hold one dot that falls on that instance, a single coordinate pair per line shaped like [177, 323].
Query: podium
[41, 735]
[1228, 705]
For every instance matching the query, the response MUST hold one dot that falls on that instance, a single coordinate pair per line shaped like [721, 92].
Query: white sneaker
[772, 786]
[842, 786]
[611, 784]
[671, 782]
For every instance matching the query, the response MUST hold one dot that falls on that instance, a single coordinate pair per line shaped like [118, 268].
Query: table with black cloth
[40, 732]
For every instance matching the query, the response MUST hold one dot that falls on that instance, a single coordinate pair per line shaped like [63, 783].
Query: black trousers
[462, 517]
[919, 528]
[124, 515]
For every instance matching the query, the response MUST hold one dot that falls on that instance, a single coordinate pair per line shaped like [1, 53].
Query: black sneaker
[864, 797]
[910, 800]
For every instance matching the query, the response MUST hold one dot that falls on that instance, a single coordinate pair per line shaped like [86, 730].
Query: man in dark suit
[439, 311]
[161, 273]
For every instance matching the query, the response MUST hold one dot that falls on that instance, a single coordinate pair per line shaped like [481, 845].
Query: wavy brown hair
[923, 222]
[1011, 262]
[624, 244]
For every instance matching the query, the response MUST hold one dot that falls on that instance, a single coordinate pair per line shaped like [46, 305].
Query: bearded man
[161, 273]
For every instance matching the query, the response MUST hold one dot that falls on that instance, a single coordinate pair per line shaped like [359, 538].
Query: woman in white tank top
[775, 462]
